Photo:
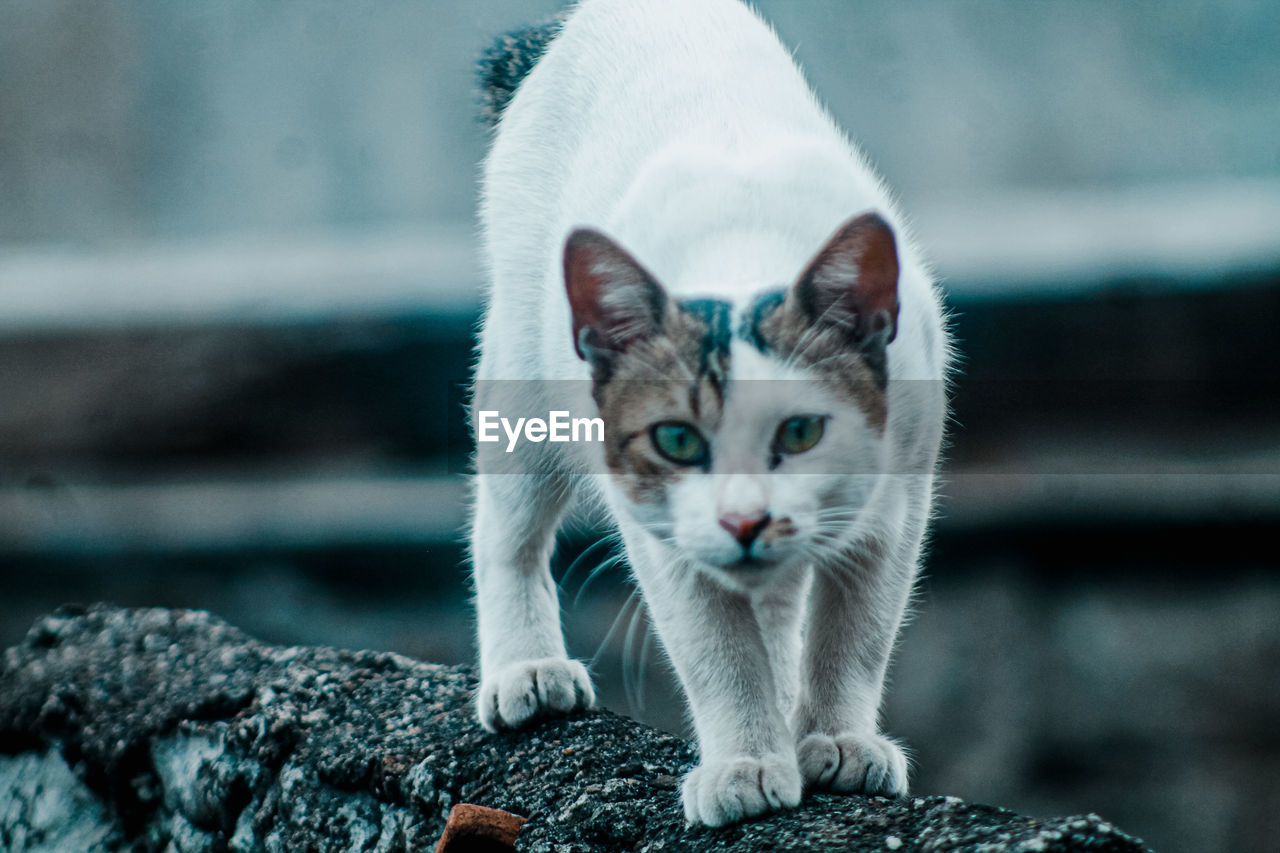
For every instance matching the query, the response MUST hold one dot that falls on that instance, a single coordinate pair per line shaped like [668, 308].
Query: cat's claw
[724, 792]
[521, 693]
[851, 763]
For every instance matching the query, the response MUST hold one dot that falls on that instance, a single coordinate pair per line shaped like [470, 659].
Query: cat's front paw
[530, 690]
[851, 763]
[724, 792]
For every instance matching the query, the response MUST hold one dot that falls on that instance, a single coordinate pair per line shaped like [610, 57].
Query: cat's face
[747, 437]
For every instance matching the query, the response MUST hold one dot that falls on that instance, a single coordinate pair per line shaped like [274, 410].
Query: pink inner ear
[855, 273]
[609, 292]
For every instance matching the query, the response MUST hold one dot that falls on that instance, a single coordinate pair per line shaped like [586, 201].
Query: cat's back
[697, 51]
[657, 121]
[627, 77]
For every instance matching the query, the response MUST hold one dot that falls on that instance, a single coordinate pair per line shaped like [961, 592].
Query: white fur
[683, 129]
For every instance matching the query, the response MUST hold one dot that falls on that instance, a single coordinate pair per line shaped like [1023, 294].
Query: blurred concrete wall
[143, 119]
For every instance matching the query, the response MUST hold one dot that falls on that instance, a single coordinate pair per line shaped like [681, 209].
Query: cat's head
[746, 436]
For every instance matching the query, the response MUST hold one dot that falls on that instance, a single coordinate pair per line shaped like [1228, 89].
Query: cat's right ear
[615, 301]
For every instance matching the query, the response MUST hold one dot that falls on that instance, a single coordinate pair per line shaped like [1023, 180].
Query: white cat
[681, 242]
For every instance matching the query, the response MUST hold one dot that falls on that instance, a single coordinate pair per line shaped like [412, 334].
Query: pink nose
[744, 528]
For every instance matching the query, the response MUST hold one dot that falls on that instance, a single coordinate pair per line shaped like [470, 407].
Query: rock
[171, 730]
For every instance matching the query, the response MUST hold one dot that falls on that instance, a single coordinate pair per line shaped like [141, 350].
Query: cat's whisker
[808, 341]
[632, 599]
[597, 572]
[587, 554]
[833, 315]
[834, 514]
[661, 530]
[645, 647]
[630, 676]
[802, 344]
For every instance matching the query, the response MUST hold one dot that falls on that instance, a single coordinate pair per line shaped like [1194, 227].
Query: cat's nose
[745, 528]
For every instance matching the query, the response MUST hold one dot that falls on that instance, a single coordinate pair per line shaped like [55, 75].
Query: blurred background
[238, 287]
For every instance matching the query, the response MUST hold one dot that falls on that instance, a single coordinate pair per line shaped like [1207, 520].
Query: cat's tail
[508, 61]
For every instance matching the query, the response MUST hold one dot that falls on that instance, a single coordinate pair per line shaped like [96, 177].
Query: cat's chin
[747, 573]
[749, 565]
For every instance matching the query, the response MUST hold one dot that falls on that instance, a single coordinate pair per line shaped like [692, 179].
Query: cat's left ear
[615, 302]
[853, 282]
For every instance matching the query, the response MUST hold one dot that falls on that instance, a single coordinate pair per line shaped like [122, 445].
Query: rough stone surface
[171, 730]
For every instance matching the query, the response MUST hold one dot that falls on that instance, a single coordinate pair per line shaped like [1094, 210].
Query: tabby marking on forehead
[764, 305]
[714, 316]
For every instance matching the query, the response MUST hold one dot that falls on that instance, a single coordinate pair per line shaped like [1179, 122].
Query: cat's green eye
[800, 434]
[681, 443]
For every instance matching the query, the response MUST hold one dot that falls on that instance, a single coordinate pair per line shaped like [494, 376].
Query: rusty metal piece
[479, 829]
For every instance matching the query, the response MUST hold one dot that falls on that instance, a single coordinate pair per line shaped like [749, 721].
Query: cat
[680, 241]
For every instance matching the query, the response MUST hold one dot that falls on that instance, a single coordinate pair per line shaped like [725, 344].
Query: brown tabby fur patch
[826, 350]
[671, 375]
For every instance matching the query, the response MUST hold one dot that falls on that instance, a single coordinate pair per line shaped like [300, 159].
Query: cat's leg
[525, 671]
[780, 610]
[855, 609]
[748, 761]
